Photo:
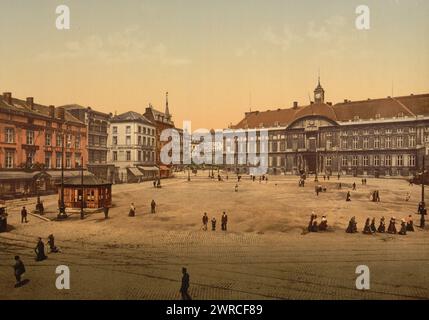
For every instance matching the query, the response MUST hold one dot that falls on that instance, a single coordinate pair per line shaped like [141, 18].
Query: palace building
[377, 137]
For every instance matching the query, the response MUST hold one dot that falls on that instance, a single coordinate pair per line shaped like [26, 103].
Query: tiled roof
[131, 116]
[409, 106]
[20, 106]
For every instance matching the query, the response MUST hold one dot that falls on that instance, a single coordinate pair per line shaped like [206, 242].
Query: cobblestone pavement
[119, 259]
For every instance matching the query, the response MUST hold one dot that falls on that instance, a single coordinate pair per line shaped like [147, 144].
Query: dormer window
[377, 116]
[356, 118]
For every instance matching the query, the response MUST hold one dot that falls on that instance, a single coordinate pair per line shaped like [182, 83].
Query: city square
[266, 253]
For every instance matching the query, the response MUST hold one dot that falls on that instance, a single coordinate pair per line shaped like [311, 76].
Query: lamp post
[62, 209]
[82, 213]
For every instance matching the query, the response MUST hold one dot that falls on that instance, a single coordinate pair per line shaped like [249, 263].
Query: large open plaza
[266, 253]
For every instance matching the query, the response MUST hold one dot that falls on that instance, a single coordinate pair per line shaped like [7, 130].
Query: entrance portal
[310, 160]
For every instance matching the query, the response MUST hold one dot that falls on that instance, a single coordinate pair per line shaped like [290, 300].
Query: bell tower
[319, 93]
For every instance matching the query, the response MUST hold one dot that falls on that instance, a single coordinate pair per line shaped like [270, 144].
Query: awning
[136, 172]
[56, 174]
[18, 175]
[148, 168]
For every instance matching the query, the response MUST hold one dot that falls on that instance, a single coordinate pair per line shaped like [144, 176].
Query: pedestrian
[354, 185]
[40, 250]
[132, 212]
[19, 270]
[213, 224]
[224, 221]
[348, 196]
[377, 196]
[106, 212]
[185, 285]
[392, 226]
[24, 215]
[205, 221]
[410, 223]
[154, 183]
[403, 230]
[236, 188]
[323, 226]
[310, 224]
[408, 196]
[352, 227]
[372, 226]
[382, 226]
[317, 190]
[367, 228]
[338, 176]
[152, 206]
[51, 242]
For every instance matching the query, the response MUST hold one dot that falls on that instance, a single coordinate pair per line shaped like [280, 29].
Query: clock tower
[319, 93]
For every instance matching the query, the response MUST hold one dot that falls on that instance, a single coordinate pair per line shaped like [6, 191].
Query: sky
[217, 59]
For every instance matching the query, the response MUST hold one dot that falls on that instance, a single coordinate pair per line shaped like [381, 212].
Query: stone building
[98, 130]
[377, 137]
[132, 145]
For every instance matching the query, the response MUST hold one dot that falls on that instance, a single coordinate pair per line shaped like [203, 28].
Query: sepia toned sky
[217, 59]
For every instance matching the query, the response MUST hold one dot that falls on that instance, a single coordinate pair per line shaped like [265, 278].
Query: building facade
[98, 130]
[132, 145]
[376, 137]
[161, 121]
[35, 137]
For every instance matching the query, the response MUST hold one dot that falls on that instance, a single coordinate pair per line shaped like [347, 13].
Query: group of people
[132, 212]
[224, 222]
[314, 226]
[375, 196]
[371, 228]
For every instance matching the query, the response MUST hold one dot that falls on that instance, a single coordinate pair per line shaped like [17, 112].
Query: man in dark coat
[205, 221]
[185, 285]
[213, 224]
[310, 224]
[382, 226]
[323, 226]
[19, 270]
[352, 227]
[410, 223]
[152, 206]
[24, 215]
[51, 242]
[372, 226]
[40, 250]
[224, 221]
[354, 185]
[348, 196]
[106, 212]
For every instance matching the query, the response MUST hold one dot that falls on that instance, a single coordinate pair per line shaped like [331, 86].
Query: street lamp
[422, 206]
[82, 214]
[62, 209]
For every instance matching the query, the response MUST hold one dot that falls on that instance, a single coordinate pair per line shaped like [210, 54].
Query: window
[376, 143]
[128, 140]
[114, 140]
[139, 156]
[412, 141]
[30, 157]
[387, 142]
[58, 160]
[412, 161]
[9, 135]
[365, 161]
[128, 130]
[139, 130]
[68, 160]
[48, 160]
[144, 130]
[69, 140]
[77, 142]
[365, 143]
[400, 161]
[328, 161]
[400, 141]
[59, 139]
[328, 144]
[344, 144]
[48, 138]
[399, 130]
[355, 143]
[115, 130]
[388, 161]
[30, 137]
[139, 140]
[344, 161]
[128, 155]
[388, 131]
[115, 155]
[77, 160]
[354, 161]
[376, 161]
[9, 159]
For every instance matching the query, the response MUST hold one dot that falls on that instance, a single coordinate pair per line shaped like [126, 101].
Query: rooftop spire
[167, 111]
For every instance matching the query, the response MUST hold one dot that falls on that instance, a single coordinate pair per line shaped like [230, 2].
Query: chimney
[30, 102]
[52, 111]
[61, 113]
[7, 96]
[295, 104]
[329, 103]
[345, 100]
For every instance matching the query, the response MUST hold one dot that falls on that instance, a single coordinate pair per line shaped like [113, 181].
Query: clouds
[283, 39]
[130, 45]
